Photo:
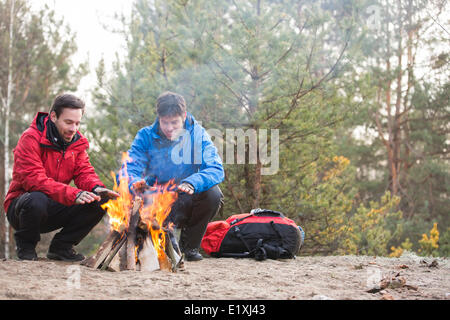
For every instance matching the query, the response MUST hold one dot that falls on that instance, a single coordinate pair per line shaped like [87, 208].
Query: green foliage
[405, 246]
[191, 48]
[314, 70]
[325, 199]
[413, 120]
[41, 66]
[429, 245]
[38, 63]
[444, 247]
[375, 226]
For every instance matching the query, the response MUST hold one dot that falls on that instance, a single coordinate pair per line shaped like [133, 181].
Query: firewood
[131, 243]
[148, 257]
[123, 258]
[114, 265]
[133, 248]
[174, 255]
[113, 252]
[105, 248]
[164, 263]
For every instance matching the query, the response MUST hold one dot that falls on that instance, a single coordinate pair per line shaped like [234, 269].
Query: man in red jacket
[49, 155]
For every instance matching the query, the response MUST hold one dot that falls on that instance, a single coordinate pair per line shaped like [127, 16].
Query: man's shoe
[68, 254]
[192, 255]
[27, 254]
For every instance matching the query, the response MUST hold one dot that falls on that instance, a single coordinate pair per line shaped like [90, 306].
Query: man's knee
[213, 200]
[32, 204]
[92, 211]
[213, 196]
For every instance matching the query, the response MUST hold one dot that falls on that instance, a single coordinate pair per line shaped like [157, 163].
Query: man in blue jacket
[177, 147]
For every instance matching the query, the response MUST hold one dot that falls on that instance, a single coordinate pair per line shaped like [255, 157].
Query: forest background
[353, 96]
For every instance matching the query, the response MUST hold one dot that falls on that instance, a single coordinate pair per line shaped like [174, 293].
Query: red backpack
[259, 234]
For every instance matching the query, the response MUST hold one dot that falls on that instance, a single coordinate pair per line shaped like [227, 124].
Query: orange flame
[119, 209]
[152, 214]
[158, 210]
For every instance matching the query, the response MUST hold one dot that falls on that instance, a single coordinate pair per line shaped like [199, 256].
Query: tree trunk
[405, 113]
[7, 107]
[257, 185]
[2, 216]
[396, 132]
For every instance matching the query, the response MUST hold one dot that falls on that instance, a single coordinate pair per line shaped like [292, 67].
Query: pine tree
[240, 65]
[403, 120]
[35, 65]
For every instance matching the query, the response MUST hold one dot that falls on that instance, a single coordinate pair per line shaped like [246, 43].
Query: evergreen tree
[316, 71]
[35, 65]
[398, 140]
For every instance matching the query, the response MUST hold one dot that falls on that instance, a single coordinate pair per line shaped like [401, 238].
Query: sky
[87, 19]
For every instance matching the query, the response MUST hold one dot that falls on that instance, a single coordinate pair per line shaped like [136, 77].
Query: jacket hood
[39, 121]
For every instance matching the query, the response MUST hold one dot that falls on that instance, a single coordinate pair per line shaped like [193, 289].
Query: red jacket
[41, 166]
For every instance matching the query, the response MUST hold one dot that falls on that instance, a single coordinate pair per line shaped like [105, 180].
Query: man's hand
[139, 185]
[106, 194]
[86, 197]
[186, 187]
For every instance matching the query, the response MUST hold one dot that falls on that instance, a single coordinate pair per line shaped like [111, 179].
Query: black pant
[34, 213]
[192, 213]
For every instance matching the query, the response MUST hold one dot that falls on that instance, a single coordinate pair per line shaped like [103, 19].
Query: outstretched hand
[139, 185]
[106, 194]
[186, 187]
[84, 197]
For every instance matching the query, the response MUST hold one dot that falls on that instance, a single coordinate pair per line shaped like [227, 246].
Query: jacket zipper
[59, 164]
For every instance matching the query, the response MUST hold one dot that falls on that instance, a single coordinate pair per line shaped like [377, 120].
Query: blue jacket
[191, 158]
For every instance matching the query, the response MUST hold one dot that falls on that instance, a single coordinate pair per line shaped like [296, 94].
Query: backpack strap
[239, 220]
[230, 254]
[237, 230]
[282, 250]
[260, 251]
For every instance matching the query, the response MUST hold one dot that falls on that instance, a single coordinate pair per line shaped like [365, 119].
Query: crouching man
[176, 147]
[49, 155]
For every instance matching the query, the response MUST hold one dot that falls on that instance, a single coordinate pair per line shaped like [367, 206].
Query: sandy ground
[303, 278]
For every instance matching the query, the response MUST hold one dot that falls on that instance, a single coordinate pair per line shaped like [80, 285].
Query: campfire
[139, 239]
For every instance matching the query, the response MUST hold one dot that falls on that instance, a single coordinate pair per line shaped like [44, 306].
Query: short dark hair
[66, 101]
[170, 104]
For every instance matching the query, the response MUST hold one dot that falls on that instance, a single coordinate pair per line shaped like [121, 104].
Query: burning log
[114, 242]
[134, 249]
[113, 252]
[173, 252]
[131, 237]
[148, 257]
[105, 248]
[123, 258]
[157, 241]
[139, 240]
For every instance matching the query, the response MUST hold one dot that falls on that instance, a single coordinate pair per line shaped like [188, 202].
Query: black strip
[50, 147]
[239, 220]
[272, 224]
[239, 235]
